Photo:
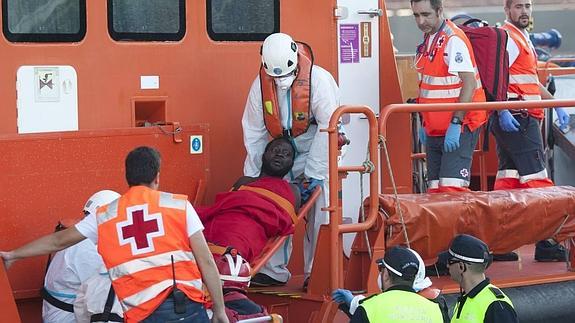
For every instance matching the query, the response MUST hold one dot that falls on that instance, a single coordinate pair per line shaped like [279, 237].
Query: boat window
[242, 20]
[147, 20]
[44, 21]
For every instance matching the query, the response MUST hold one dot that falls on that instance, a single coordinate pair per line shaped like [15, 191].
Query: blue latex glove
[342, 296]
[563, 117]
[422, 136]
[507, 122]
[307, 191]
[451, 141]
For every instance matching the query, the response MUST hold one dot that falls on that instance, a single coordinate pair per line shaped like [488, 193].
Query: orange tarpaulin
[505, 220]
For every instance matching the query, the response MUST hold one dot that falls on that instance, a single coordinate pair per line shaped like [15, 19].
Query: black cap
[400, 261]
[469, 249]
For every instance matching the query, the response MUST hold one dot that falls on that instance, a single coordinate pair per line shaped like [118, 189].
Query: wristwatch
[456, 120]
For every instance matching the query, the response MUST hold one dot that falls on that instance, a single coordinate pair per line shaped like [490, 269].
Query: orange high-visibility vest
[300, 97]
[437, 85]
[523, 80]
[137, 236]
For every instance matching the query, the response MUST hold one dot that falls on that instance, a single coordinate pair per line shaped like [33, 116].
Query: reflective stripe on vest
[137, 237]
[401, 306]
[474, 308]
[136, 265]
[512, 173]
[107, 212]
[300, 97]
[523, 80]
[279, 200]
[437, 85]
[151, 292]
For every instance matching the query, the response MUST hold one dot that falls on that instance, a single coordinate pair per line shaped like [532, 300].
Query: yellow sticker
[269, 107]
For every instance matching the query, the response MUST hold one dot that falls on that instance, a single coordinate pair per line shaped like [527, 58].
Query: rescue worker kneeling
[399, 302]
[235, 273]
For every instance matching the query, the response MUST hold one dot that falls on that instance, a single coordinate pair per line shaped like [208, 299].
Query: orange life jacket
[523, 80]
[300, 97]
[138, 235]
[437, 85]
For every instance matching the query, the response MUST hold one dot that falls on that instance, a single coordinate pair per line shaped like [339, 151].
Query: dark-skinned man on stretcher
[257, 208]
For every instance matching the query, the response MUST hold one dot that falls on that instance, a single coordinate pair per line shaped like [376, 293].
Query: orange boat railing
[377, 129]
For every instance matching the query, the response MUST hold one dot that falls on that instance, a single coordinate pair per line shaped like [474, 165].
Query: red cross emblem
[140, 229]
[440, 41]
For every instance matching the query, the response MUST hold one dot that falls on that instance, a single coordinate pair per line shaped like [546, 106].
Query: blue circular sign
[196, 144]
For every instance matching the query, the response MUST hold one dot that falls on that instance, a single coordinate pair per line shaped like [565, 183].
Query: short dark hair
[400, 280]
[142, 166]
[280, 172]
[435, 4]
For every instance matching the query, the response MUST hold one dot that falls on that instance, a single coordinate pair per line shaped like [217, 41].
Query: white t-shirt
[456, 55]
[88, 227]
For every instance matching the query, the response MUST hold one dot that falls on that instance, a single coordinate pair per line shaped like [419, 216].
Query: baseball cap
[470, 249]
[400, 261]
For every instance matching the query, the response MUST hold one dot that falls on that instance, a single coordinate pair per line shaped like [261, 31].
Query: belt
[56, 302]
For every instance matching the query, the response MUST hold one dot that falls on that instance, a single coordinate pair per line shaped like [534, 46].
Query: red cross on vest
[140, 228]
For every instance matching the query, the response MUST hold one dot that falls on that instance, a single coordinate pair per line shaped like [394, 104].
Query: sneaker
[263, 280]
[546, 251]
[510, 256]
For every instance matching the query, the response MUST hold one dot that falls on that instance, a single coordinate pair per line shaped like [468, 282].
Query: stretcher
[274, 243]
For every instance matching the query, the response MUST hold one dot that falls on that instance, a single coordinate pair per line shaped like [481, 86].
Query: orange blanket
[505, 220]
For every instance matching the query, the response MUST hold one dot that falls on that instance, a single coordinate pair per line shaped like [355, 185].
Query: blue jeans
[195, 313]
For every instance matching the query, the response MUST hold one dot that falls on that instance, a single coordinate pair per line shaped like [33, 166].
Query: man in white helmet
[70, 267]
[291, 97]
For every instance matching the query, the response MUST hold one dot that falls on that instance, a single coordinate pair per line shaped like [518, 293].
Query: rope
[383, 141]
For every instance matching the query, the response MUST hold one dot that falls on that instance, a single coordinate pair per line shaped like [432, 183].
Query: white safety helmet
[99, 199]
[279, 55]
[421, 282]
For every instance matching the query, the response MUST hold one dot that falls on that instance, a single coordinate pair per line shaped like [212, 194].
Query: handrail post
[335, 211]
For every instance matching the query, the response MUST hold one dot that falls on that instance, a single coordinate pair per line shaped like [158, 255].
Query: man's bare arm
[44, 245]
[210, 275]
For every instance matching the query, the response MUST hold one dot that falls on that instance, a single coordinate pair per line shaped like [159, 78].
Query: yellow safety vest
[401, 306]
[474, 308]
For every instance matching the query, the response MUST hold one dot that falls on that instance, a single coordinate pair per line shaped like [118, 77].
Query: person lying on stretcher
[257, 208]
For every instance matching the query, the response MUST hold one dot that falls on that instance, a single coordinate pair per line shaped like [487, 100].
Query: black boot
[510, 256]
[546, 251]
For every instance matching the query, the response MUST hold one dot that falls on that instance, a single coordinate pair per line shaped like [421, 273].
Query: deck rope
[383, 141]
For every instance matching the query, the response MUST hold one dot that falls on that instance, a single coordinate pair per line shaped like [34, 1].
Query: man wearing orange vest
[154, 249]
[447, 74]
[152, 245]
[518, 132]
[294, 98]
